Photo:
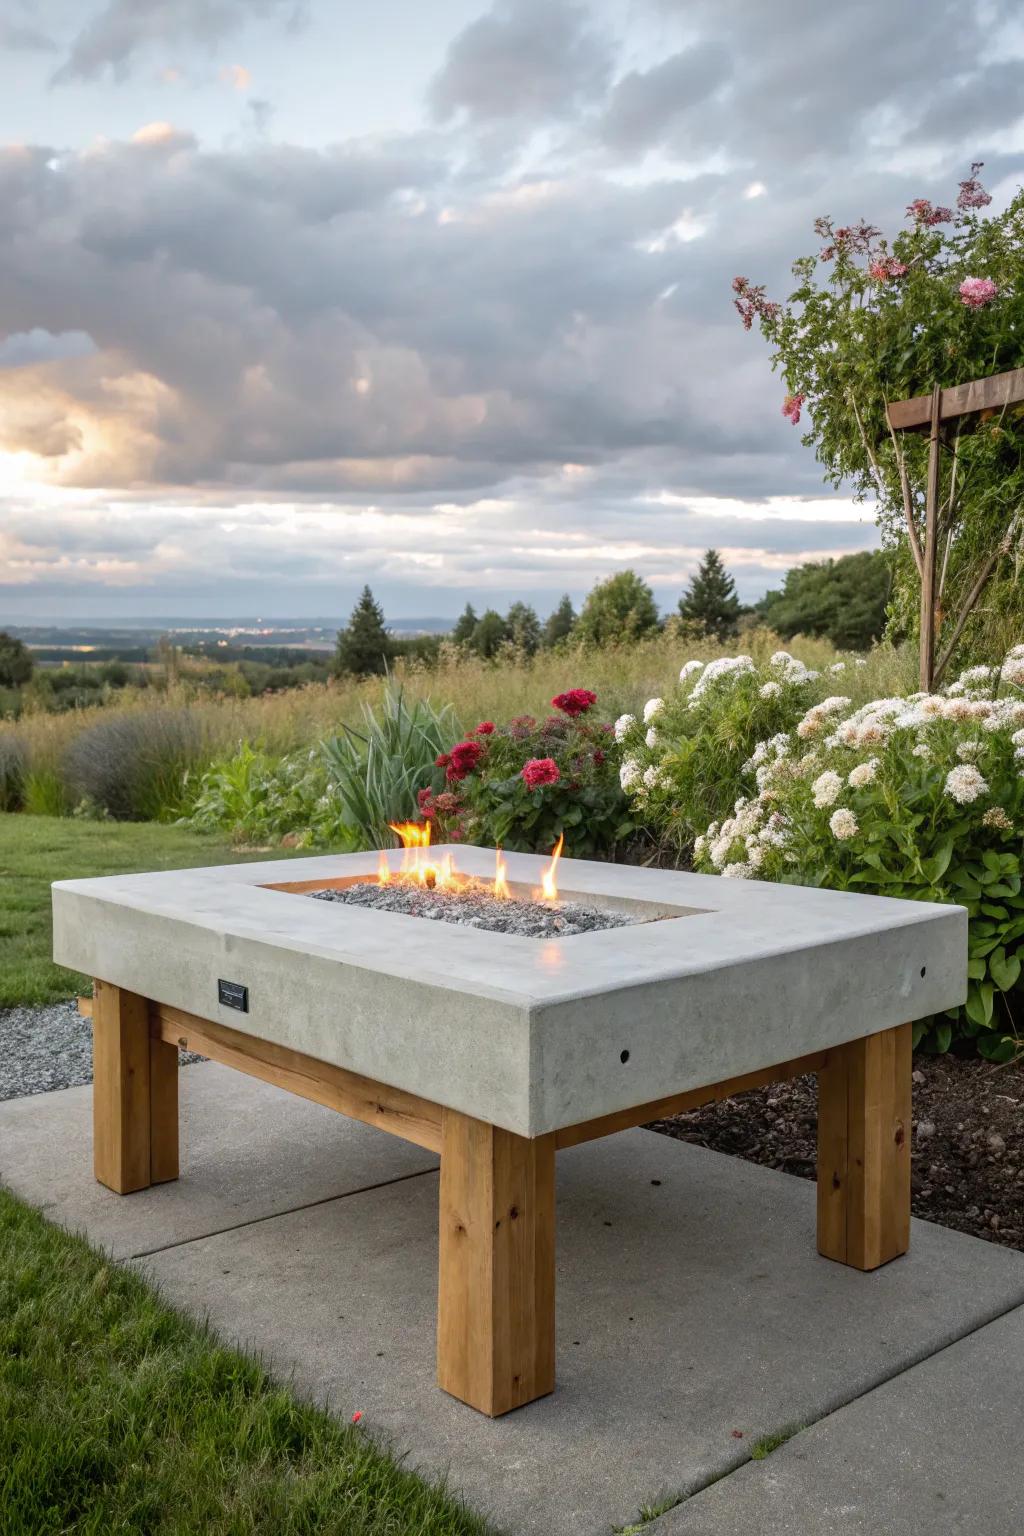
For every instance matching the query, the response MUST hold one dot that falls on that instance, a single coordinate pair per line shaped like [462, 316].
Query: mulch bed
[968, 1140]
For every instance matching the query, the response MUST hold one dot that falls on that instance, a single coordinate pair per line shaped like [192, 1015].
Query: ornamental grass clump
[133, 766]
[684, 755]
[13, 771]
[376, 768]
[523, 785]
[919, 797]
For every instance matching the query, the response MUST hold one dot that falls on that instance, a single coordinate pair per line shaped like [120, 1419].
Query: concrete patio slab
[691, 1304]
[938, 1451]
[248, 1151]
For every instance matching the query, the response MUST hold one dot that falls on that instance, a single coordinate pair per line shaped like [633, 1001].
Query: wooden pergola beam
[989, 394]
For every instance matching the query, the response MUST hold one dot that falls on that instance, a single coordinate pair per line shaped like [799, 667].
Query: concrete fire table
[496, 1050]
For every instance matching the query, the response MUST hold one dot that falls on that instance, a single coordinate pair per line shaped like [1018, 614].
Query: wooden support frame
[496, 1265]
[989, 394]
[864, 1109]
[135, 1095]
[979, 399]
[926, 649]
[496, 1269]
[361, 1098]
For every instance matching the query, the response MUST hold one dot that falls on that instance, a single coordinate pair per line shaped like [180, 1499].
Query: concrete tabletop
[530, 1034]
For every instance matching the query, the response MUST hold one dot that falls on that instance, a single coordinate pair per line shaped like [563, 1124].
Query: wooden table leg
[496, 1292]
[134, 1094]
[864, 1150]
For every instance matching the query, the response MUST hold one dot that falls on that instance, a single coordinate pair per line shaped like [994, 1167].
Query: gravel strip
[46, 1048]
[474, 907]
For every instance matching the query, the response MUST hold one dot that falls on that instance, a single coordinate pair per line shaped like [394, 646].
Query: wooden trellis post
[931, 412]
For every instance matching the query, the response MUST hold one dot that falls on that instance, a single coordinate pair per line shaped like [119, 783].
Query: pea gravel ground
[46, 1048]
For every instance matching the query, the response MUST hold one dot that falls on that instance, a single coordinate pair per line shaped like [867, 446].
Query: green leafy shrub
[13, 769]
[341, 794]
[134, 764]
[375, 771]
[256, 798]
[522, 785]
[919, 797]
[683, 758]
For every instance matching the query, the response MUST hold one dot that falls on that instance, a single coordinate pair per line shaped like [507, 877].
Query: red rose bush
[522, 785]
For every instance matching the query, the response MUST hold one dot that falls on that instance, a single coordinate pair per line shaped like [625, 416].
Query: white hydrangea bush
[919, 797]
[684, 753]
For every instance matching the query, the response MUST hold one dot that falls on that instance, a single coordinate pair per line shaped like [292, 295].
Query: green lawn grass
[35, 850]
[117, 1413]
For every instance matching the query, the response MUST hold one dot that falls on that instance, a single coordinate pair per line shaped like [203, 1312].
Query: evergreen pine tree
[490, 634]
[560, 622]
[462, 634]
[523, 628]
[364, 646]
[710, 600]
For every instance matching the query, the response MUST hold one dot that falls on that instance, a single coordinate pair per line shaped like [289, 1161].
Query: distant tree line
[844, 601]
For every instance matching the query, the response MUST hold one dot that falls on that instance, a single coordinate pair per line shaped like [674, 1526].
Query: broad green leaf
[1004, 969]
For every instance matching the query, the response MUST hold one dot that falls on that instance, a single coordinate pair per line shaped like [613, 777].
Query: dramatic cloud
[38, 346]
[646, 106]
[114, 35]
[428, 557]
[525, 59]
[351, 320]
[22, 37]
[496, 348]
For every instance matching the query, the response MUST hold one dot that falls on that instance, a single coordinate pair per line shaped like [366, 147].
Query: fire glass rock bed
[495, 1050]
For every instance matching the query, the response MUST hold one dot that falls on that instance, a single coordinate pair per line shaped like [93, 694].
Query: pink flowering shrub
[875, 318]
[531, 780]
[886, 269]
[976, 292]
[924, 212]
[919, 797]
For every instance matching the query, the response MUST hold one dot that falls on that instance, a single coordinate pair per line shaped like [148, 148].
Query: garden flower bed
[525, 784]
[967, 1140]
[919, 797]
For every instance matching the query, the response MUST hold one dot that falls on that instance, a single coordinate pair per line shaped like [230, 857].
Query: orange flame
[548, 879]
[413, 834]
[419, 867]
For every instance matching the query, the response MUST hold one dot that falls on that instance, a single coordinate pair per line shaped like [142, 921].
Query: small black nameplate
[233, 995]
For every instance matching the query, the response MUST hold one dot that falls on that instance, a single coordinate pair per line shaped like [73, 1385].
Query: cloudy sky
[297, 294]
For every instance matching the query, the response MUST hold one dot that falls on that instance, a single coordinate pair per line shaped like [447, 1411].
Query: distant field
[622, 676]
[35, 850]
